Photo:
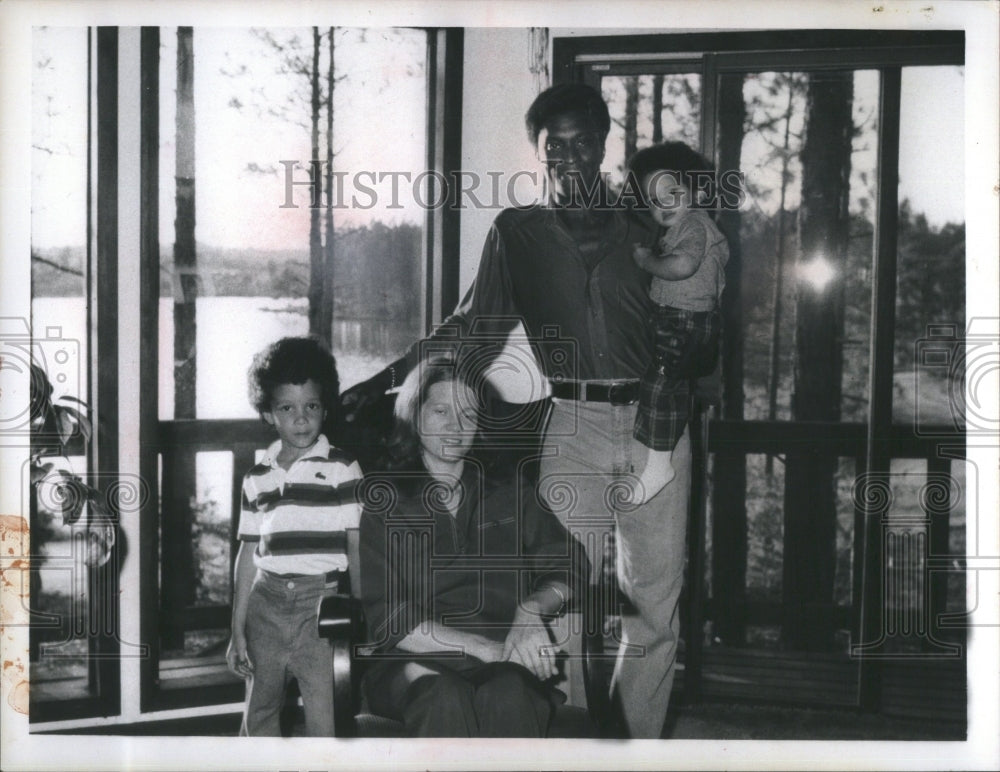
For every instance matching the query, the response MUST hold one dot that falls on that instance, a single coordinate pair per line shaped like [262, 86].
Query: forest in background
[377, 268]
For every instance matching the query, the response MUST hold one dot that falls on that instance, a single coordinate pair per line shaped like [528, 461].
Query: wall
[496, 91]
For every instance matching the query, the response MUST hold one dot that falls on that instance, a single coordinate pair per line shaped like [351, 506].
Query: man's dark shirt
[419, 563]
[532, 269]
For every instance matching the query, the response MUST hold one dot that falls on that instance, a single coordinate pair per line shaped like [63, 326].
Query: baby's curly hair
[293, 360]
[675, 157]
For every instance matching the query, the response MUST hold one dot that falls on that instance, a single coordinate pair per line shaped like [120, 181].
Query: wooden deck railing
[926, 548]
[705, 670]
[180, 441]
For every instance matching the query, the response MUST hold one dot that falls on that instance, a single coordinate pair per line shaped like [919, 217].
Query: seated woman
[459, 571]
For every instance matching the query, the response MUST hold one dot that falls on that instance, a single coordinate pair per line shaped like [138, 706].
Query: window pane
[235, 147]
[765, 532]
[252, 149]
[59, 207]
[637, 123]
[920, 497]
[212, 516]
[60, 587]
[929, 376]
[766, 548]
[806, 270]
[958, 489]
[195, 567]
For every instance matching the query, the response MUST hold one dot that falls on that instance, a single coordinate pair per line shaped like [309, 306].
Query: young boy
[298, 503]
[688, 278]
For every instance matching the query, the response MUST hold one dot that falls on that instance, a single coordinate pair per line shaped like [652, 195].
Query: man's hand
[362, 395]
[237, 658]
[529, 644]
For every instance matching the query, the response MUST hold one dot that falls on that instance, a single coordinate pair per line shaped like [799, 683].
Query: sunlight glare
[817, 272]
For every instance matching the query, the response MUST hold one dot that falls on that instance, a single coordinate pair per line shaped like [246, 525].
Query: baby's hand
[642, 255]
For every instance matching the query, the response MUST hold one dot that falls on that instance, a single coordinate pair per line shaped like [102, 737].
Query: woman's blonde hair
[404, 441]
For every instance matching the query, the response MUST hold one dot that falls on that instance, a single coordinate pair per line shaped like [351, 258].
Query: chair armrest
[597, 669]
[598, 665]
[339, 621]
[588, 668]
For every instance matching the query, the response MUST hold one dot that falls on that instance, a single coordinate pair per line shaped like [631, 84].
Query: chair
[586, 713]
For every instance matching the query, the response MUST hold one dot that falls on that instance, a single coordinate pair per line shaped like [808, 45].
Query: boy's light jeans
[283, 643]
[588, 446]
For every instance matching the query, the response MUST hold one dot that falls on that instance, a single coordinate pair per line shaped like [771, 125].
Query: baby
[688, 278]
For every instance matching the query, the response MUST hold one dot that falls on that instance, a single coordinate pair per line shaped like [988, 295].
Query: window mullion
[880, 389]
[444, 159]
[148, 359]
[103, 646]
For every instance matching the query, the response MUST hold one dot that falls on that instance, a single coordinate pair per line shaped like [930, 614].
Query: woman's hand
[489, 651]
[237, 658]
[529, 644]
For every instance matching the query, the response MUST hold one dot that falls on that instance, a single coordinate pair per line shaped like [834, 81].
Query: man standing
[567, 265]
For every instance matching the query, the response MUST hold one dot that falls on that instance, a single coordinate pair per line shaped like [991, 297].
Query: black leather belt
[620, 393]
[330, 576]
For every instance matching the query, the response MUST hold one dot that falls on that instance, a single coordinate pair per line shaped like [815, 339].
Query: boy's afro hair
[293, 360]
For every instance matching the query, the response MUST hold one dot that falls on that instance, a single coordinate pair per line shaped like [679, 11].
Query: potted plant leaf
[59, 428]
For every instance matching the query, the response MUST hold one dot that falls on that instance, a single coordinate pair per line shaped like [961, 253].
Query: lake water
[230, 331]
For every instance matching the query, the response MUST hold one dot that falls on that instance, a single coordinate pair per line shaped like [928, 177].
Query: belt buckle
[619, 401]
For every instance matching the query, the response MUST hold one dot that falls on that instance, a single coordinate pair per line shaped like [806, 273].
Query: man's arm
[489, 300]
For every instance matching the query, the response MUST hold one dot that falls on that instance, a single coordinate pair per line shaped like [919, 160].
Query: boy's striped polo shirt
[299, 517]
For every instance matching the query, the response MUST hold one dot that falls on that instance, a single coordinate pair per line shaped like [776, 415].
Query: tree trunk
[315, 239]
[327, 313]
[657, 109]
[729, 512]
[779, 277]
[185, 262]
[631, 114]
[178, 590]
[810, 477]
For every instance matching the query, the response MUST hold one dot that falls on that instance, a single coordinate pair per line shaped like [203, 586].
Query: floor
[705, 721]
[763, 722]
[733, 721]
